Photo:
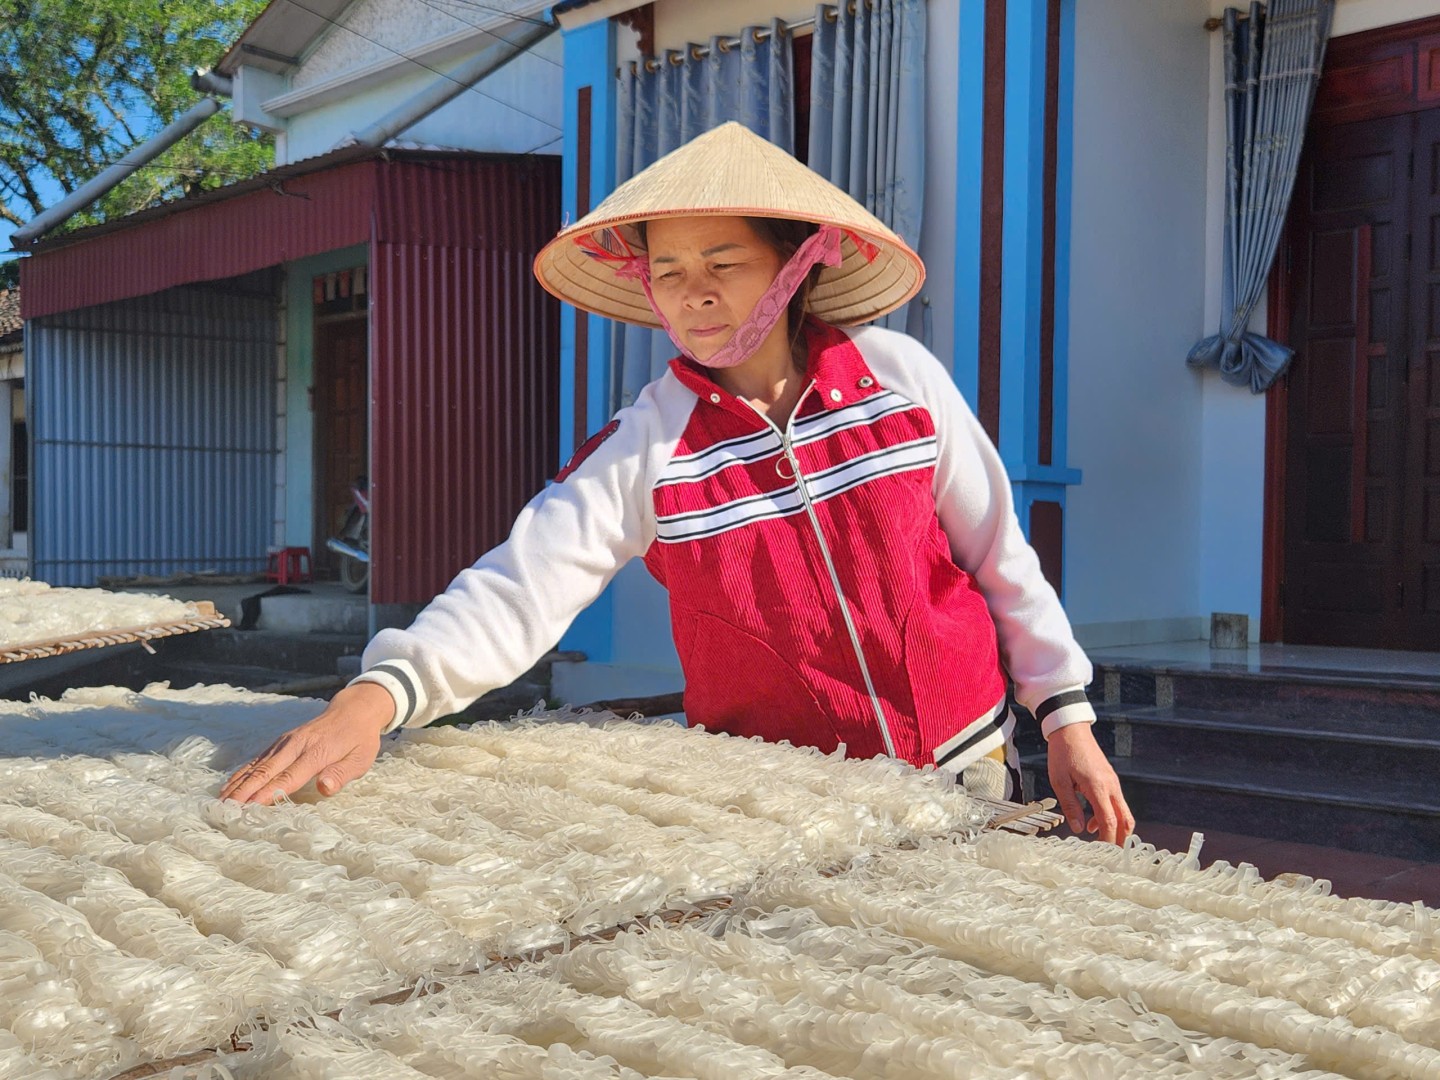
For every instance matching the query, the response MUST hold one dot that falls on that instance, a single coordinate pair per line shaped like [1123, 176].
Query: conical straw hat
[731, 171]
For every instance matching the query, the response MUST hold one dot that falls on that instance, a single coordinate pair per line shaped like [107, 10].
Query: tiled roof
[9, 312]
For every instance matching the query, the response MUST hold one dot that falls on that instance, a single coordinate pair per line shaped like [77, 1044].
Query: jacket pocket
[951, 657]
[736, 683]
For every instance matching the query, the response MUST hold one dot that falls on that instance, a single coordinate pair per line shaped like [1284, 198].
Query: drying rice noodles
[135, 885]
[874, 934]
[44, 1019]
[1139, 872]
[1200, 971]
[164, 1007]
[533, 1006]
[33, 612]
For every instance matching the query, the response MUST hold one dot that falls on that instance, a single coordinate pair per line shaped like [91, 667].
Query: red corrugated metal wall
[464, 360]
[300, 216]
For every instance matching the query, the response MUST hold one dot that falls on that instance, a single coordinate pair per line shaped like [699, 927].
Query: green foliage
[82, 81]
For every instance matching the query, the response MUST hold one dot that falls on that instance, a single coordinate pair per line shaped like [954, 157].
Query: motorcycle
[353, 543]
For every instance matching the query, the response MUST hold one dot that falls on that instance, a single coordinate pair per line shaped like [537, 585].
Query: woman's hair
[784, 236]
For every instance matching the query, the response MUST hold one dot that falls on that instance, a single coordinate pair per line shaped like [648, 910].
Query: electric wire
[486, 30]
[427, 67]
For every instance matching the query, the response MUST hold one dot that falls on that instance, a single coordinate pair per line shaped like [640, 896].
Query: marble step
[1291, 694]
[1354, 744]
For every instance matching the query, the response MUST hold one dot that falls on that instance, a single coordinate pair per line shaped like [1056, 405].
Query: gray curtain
[867, 111]
[668, 100]
[1272, 66]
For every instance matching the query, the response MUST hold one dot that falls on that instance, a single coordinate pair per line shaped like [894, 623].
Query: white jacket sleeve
[498, 617]
[976, 508]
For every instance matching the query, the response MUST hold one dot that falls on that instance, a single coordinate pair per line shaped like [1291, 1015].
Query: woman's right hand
[336, 747]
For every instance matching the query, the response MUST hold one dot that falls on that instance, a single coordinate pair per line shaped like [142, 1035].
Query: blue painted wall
[1023, 269]
[589, 61]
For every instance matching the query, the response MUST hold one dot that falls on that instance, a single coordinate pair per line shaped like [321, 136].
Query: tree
[83, 81]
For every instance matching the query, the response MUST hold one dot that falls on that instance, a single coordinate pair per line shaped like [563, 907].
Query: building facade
[1074, 232]
[210, 377]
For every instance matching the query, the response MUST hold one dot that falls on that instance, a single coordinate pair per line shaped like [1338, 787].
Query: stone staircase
[1344, 760]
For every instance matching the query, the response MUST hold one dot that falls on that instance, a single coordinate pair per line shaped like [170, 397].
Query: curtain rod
[699, 52]
[1215, 24]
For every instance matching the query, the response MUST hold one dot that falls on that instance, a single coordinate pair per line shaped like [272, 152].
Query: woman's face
[706, 274]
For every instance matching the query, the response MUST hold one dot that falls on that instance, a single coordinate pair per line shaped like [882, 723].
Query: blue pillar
[969, 176]
[1023, 271]
[589, 65]
[1064, 176]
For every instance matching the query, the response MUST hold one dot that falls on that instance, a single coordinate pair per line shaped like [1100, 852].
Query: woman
[833, 526]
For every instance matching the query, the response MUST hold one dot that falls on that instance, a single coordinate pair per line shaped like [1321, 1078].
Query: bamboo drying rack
[205, 618]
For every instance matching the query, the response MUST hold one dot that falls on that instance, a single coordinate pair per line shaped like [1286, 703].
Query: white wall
[679, 22]
[516, 110]
[1136, 307]
[1353, 16]
[1232, 482]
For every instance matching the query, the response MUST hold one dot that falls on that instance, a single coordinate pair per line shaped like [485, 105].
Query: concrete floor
[320, 607]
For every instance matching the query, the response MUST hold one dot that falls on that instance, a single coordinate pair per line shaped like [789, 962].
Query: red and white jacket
[840, 580]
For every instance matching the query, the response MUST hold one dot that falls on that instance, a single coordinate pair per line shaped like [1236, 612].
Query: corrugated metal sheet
[153, 432]
[464, 364]
[288, 218]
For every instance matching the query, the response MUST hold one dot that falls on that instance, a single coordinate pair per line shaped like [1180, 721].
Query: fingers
[1065, 791]
[336, 776]
[336, 747]
[1112, 821]
[1125, 817]
[282, 769]
[289, 780]
[1104, 822]
[247, 779]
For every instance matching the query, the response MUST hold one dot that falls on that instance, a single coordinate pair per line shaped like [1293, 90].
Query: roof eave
[280, 35]
[574, 13]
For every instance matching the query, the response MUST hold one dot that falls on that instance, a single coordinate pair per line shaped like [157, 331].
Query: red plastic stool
[289, 564]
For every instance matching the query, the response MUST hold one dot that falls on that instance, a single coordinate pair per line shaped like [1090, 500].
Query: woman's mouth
[705, 331]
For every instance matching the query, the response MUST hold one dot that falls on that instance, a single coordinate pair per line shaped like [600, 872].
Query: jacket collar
[840, 373]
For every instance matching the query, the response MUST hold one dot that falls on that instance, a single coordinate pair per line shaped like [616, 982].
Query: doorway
[341, 400]
[1361, 404]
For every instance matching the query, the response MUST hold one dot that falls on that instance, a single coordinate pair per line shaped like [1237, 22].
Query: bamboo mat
[1030, 819]
[206, 618]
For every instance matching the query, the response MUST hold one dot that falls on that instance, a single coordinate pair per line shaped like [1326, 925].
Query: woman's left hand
[1078, 767]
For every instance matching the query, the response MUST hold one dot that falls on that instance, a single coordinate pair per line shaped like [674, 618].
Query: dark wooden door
[1345, 482]
[1420, 561]
[1365, 260]
[341, 398]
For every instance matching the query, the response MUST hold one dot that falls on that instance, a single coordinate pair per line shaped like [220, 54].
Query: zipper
[788, 446]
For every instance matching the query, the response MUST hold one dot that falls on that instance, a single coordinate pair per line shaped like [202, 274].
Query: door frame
[1366, 76]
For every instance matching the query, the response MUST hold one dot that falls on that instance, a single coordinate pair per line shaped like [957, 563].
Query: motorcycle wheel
[354, 574]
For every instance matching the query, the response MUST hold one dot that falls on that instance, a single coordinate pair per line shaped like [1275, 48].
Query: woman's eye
[669, 275]
[724, 266]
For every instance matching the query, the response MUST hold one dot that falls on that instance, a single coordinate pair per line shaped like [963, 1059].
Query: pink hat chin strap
[822, 247]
